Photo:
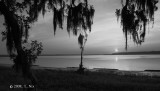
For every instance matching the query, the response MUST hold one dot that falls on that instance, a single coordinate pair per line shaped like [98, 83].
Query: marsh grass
[53, 80]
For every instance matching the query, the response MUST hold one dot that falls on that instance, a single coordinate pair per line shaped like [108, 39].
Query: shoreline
[146, 72]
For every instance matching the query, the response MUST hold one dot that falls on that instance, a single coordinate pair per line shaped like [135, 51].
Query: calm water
[122, 62]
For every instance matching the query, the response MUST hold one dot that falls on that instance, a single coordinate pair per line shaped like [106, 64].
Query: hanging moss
[79, 19]
[135, 15]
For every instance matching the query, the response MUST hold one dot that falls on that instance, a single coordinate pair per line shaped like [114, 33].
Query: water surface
[121, 62]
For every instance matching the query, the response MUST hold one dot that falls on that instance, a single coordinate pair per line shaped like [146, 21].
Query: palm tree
[135, 15]
[20, 15]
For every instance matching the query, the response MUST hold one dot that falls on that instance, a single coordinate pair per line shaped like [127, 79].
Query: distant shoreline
[138, 53]
[118, 53]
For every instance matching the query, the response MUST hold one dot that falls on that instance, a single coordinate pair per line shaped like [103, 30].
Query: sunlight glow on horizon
[116, 50]
[106, 36]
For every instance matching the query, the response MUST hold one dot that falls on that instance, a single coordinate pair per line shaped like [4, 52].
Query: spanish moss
[135, 16]
[20, 15]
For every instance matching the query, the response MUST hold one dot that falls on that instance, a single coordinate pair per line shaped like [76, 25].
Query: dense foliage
[19, 15]
[135, 15]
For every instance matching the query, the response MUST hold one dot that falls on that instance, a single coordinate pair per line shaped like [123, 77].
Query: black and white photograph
[79, 45]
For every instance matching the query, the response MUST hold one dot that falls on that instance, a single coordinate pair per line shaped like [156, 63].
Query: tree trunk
[81, 64]
[126, 39]
[21, 60]
[81, 68]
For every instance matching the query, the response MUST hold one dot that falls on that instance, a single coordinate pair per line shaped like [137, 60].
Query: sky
[106, 36]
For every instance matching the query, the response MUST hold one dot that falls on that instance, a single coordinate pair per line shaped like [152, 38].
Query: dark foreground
[52, 80]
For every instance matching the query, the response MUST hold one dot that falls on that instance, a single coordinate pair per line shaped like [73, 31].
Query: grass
[52, 80]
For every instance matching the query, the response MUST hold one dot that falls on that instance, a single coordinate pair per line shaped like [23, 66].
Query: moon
[116, 50]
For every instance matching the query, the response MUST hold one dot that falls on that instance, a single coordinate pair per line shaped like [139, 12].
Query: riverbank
[66, 79]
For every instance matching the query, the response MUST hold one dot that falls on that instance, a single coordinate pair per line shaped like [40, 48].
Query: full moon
[116, 50]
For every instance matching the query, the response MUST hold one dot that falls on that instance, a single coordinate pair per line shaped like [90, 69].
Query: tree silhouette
[20, 15]
[16, 34]
[135, 15]
[82, 39]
